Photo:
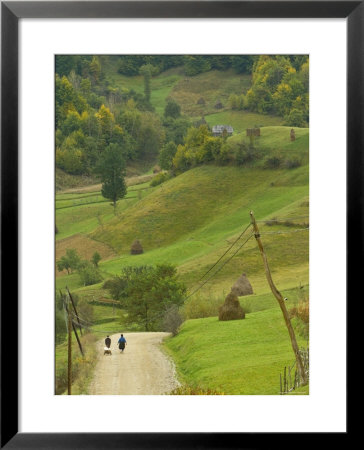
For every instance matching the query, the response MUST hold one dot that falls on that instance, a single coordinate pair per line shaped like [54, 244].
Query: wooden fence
[290, 379]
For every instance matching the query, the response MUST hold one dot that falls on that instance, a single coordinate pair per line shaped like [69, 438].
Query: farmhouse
[220, 130]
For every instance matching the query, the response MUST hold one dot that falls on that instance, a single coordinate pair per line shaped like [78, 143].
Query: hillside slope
[190, 220]
[235, 357]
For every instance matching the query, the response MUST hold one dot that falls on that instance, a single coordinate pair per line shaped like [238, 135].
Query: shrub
[82, 367]
[273, 162]
[194, 390]
[199, 307]
[85, 310]
[60, 325]
[244, 153]
[292, 163]
[160, 178]
[295, 118]
[303, 311]
[172, 320]
[89, 274]
[301, 317]
[172, 109]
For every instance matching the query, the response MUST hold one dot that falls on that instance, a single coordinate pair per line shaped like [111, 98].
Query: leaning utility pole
[280, 299]
[75, 310]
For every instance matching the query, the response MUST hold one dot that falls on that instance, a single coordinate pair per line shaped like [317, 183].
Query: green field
[241, 120]
[234, 357]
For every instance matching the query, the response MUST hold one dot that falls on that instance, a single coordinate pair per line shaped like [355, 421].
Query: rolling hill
[191, 220]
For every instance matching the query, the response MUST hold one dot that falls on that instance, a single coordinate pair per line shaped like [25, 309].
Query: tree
[242, 64]
[111, 168]
[70, 261]
[67, 99]
[96, 258]
[150, 136]
[195, 64]
[295, 118]
[89, 274]
[148, 293]
[106, 121]
[166, 155]
[172, 109]
[95, 68]
[147, 70]
[176, 129]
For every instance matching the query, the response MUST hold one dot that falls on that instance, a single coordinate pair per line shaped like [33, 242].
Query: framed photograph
[178, 180]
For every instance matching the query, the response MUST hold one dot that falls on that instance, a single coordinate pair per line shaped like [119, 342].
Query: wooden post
[69, 351]
[75, 331]
[280, 299]
[74, 308]
[78, 339]
[289, 377]
[280, 382]
[285, 379]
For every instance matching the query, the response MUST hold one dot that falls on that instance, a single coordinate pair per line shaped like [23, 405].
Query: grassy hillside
[234, 357]
[190, 220]
[82, 211]
[213, 86]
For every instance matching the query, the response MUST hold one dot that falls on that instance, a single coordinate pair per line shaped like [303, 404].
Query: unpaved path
[141, 369]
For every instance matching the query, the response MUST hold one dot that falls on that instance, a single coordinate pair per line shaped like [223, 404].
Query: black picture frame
[11, 12]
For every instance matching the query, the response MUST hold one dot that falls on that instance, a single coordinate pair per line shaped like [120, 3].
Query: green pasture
[241, 120]
[234, 357]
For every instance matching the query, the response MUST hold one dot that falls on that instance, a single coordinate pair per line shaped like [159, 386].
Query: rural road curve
[141, 369]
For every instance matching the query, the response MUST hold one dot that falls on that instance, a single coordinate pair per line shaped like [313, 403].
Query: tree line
[98, 125]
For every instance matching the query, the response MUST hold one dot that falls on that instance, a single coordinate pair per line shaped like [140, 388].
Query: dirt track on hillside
[141, 369]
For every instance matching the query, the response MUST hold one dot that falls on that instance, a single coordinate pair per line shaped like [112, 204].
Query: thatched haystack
[156, 169]
[200, 122]
[218, 105]
[242, 286]
[201, 101]
[136, 248]
[231, 309]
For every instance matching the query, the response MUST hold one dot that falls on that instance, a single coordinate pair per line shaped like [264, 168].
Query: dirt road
[141, 369]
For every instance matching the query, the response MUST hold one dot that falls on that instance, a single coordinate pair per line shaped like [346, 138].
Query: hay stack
[136, 248]
[242, 286]
[201, 101]
[218, 105]
[231, 309]
[156, 169]
[200, 122]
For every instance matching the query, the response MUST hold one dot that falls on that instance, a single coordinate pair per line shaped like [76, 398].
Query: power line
[227, 251]
[203, 284]
[278, 219]
[284, 232]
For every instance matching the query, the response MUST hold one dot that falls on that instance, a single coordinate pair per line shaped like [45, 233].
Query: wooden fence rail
[289, 382]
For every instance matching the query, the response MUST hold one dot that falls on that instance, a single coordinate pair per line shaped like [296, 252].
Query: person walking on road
[107, 342]
[122, 343]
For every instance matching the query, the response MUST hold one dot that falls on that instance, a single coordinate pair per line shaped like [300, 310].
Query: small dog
[107, 351]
